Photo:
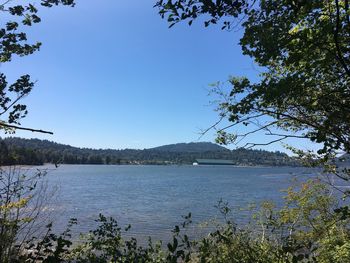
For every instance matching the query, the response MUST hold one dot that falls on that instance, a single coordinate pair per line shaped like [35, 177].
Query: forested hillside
[34, 152]
[191, 147]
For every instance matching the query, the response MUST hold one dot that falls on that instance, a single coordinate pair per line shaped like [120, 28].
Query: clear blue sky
[111, 74]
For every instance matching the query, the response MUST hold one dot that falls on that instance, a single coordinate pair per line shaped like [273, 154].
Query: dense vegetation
[34, 151]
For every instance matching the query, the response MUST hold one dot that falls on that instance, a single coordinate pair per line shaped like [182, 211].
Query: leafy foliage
[214, 11]
[21, 199]
[303, 48]
[14, 42]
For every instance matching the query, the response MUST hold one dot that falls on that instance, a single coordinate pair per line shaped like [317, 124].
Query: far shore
[146, 164]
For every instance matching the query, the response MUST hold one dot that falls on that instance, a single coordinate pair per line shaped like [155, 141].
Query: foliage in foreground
[303, 91]
[303, 50]
[310, 227]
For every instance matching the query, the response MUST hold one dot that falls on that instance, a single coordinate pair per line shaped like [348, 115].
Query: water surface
[153, 198]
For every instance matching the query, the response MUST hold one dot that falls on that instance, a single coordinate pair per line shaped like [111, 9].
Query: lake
[153, 198]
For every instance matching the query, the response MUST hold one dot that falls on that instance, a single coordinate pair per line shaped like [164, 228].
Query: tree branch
[250, 145]
[23, 128]
[336, 39]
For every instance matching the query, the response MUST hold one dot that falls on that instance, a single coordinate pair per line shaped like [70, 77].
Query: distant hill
[190, 147]
[34, 152]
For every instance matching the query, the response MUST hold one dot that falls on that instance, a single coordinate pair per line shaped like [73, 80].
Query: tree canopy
[303, 49]
[14, 42]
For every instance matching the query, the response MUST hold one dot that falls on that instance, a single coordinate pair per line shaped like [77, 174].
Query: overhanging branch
[23, 128]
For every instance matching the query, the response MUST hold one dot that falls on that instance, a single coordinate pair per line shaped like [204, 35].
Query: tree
[304, 50]
[20, 198]
[14, 42]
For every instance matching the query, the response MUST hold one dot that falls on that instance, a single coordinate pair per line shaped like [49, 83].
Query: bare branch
[23, 128]
[251, 145]
[211, 127]
[241, 121]
[288, 135]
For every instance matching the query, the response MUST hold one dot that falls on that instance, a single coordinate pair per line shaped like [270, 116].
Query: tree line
[37, 152]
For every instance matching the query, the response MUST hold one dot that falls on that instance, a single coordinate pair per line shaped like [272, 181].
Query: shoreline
[149, 164]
